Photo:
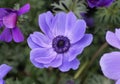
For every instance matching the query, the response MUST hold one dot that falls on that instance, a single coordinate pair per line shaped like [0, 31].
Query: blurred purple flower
[99, 3]
[4, 69]
[88, 19]
[8, 19]
[110, 62]
[63, 39]
[110, 65]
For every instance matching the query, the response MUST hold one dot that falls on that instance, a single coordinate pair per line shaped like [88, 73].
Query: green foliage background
[89, 72]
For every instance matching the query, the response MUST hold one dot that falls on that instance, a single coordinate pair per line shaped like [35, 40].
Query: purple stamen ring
[61, 44]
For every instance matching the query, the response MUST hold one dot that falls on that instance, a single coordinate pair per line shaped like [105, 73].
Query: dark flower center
[61, 44]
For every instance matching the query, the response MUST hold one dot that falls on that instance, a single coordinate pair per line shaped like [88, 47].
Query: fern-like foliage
[76, 6]
[110, 15]
[97, 79]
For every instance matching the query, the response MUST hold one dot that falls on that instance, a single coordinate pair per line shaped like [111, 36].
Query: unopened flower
[8, 20]
[4, 69]
[99, 3]
[110, 62]
[63, 38]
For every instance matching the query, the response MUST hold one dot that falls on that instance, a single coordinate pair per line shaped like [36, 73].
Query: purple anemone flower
[4, 69]
[63, 38]
[8, 20]
[99, 3]
[110, 62]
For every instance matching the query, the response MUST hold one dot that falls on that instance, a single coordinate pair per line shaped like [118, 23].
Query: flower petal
[3, 12]
[74, 52]
[44, 25]
[49, 18]
[56, 62]
[6, 35]
[10, 20]
[112, 39]
[70, 21]
[105, 3]
[76, 33]
[66, 65]
[45, 60]
[92, 4]
[117, 33]
[118, 82]
[4, 69]
[59, 28]
[41, 40]
[31, 44]
[110, 65]
[75, 64]
[40, 56]
[84, 42]
[2, 81]
[24, 9]
[79, 46]
[17, 35]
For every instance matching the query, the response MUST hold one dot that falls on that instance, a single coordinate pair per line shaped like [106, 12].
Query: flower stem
[88, 64]
[96, 54]
[80, 70]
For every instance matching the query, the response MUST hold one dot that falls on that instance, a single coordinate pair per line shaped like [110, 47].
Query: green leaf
[97, 79]
[75, 6]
